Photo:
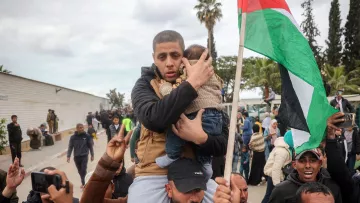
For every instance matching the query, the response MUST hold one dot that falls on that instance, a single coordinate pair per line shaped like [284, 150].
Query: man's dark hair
[312, 187]
[79, 124]
[256, 128]
[168, 36]
[115, 116]
[246, 114]
[194, 52]
[13, 116]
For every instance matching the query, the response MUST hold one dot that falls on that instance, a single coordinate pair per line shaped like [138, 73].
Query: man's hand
[58, 196]
[117, 145]
[331, 121]
[199, 73]
[191, 130]
[225, 194]
[14, 178]
[68, 159]
[92, 158]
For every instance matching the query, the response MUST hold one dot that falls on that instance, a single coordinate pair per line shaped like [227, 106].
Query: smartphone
[349, 121]
[41, 181]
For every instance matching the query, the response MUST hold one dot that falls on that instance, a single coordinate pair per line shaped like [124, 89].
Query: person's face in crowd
[276, 112]
[316, 198]
[241, 185]
[243, 149]
[274, 125]
[194, 196]
[90, 126]
[116, 121]
[167, 57]
[14, 119]
[308, 166]
[339, 94]
[109, 191]
[80, 128]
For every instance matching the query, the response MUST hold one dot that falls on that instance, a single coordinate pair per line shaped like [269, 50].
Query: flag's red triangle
[255, 5]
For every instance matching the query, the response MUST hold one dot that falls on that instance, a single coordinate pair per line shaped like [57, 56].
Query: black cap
[187, 175]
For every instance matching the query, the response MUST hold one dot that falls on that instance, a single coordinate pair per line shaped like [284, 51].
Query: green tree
[3, 132]
[263, 73]
[337, 78]
[116, 99]
[226, 69]
[3, 70]
[334, 44]
[208, 12]
[352, 37]
[311, 31]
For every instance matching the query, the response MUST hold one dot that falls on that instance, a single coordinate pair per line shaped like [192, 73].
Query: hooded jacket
[285, 192]
[157, 114]
[81, 143]
[279, 157]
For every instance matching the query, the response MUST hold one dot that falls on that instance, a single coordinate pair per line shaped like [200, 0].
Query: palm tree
[209, 11]
[3, 70]
[337, 78]
[264, 74]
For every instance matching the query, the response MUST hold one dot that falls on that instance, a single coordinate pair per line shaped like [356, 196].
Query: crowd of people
[178, 142]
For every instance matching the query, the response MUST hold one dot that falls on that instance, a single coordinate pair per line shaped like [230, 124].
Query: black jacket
[285, 192]
[347, 107]
[158, 114]
[355, 141]
[340, 173]
[122, 183]
[15, 133]
[81, 143]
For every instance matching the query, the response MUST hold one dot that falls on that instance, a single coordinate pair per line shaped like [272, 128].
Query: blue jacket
[245, 157]
[247, 128]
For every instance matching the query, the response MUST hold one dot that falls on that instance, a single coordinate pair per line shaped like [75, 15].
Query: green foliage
[352, 37]
[208, 12]
[116, 99]
[337, 78]
[263, 73]
[226, 69]
[3, 70]
[334, 44]
[3, 132]
[311, 31]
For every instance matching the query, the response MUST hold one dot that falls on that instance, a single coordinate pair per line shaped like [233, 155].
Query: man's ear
[168, 190]
[294, 164]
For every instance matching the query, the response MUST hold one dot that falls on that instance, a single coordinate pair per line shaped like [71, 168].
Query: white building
[30, 100]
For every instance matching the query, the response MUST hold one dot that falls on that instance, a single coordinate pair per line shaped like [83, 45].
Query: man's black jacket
[158, 114]
[15, 133]
[347, 107]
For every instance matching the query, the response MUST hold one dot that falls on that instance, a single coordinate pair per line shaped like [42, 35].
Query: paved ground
[55, 156]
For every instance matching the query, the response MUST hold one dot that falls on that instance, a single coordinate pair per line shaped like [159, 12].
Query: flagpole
[236, 98]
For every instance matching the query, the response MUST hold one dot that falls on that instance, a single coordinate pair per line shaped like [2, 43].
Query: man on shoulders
[157, 113]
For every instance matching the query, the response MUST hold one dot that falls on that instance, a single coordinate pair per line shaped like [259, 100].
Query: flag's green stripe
[272, 34]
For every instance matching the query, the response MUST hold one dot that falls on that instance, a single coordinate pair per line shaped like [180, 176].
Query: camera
[41, 181]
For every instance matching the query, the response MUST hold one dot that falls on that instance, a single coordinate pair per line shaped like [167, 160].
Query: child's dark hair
[244, 147]
[256, 128]
[194, 52]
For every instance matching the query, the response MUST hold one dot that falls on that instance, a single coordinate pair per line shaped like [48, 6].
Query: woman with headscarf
[257, 146]
[270, 136]
[35, 137]
[280, 157]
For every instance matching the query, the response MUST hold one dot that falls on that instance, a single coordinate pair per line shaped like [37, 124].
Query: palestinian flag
[271, 30]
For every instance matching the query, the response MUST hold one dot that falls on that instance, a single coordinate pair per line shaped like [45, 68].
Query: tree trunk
[209, 41]
[266, 91]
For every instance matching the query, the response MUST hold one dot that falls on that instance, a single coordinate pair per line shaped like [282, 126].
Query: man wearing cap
[187, 182]
[341, 103]
[307, 167]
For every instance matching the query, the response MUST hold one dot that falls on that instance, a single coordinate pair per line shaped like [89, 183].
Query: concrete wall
[30, 101]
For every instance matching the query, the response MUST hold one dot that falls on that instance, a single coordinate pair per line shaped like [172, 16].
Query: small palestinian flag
[271, 30]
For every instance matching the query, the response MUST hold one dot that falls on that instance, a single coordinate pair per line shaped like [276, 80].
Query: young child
[115, 126]
[92, 132]
[209, 98]
[245, 159]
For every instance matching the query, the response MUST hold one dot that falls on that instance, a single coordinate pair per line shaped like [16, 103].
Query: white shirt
[117, 126]
[266, 122]
[340, 104]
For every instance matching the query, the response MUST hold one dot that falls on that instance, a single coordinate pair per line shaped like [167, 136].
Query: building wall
[30, 101]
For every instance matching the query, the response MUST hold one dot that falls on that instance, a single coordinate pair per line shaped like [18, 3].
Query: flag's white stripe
[304, 92]
[299, 137]
[291, 18]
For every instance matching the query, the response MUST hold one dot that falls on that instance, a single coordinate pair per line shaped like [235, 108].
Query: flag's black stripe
[290, 111]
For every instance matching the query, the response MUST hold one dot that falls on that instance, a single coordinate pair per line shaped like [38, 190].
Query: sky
[94, 46]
